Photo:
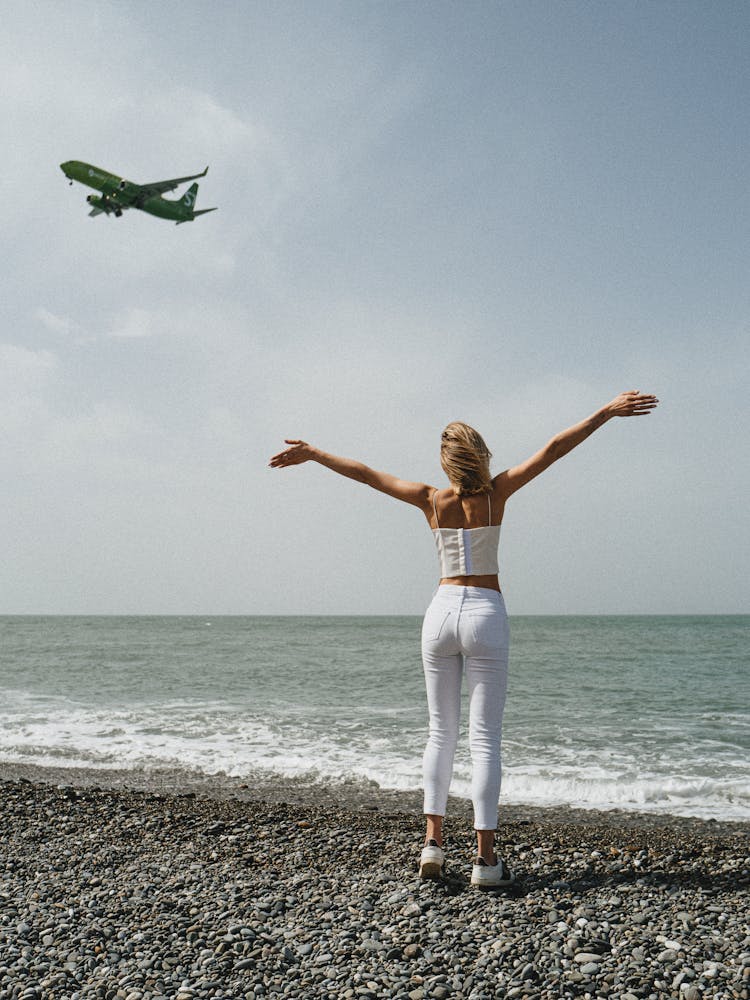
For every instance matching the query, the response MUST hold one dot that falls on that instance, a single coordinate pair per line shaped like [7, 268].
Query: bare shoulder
[417, 494]
[436, 502]
[501, 486]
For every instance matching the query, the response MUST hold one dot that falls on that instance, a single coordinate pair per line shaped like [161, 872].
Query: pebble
[124, 895]
[667, 956]
[590, 968]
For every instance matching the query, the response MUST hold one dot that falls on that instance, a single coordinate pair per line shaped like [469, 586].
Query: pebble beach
[123, 887]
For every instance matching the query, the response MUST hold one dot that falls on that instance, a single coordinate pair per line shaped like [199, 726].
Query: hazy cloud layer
[499, 213]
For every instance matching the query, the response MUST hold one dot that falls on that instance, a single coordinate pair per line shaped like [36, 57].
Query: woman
[465, 628]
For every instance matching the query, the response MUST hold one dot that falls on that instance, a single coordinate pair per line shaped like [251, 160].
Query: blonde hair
[465, 459]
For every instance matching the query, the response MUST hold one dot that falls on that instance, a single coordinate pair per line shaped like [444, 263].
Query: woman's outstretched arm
[298, 452]
[627, 404]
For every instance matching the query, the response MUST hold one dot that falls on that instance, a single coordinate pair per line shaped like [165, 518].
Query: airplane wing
[117, 209]
[159, 187]
[106, 205]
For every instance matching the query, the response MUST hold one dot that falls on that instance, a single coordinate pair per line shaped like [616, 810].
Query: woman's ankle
[486, 846]
[434, 830]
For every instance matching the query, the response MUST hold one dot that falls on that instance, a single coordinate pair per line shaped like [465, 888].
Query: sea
[647, 713]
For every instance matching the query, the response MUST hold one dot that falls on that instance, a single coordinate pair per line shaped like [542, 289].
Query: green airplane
[118, 194]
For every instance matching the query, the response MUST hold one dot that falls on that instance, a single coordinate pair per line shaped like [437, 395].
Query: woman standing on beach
[465, 629]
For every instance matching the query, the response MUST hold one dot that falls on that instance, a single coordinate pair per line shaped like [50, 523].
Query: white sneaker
[485, 876]
[431, 860]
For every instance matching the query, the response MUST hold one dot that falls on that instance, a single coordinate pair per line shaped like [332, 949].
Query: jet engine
[101, 203]
[104, 204]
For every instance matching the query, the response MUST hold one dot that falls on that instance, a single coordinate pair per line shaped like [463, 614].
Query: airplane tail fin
[190, 196]
[188, 200]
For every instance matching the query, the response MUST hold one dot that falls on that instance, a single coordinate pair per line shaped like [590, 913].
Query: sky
[503, 213]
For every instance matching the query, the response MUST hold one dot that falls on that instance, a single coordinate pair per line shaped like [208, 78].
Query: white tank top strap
[489, 506]
[434, 507]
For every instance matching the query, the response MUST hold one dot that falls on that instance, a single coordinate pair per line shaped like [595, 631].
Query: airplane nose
[64, 167]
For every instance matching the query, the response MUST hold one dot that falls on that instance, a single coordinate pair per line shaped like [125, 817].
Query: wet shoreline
[354, 795]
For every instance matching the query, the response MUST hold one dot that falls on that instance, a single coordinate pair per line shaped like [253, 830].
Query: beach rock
[667, 956]
[590, 969]
[134, 883]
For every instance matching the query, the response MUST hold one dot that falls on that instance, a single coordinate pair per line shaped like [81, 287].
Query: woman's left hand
[297, 453]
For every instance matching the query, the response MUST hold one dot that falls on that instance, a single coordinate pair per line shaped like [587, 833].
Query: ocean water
[644, 713]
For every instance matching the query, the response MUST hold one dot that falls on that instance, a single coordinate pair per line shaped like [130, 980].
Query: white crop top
[467, 551]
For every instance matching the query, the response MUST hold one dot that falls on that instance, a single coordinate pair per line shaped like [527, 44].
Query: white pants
[465, 628]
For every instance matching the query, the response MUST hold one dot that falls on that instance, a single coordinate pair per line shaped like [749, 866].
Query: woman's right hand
[631, 404]
[297, 453]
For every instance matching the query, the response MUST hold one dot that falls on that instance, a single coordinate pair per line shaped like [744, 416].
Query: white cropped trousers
[465, 629]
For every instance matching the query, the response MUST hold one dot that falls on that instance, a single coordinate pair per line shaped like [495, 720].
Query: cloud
[63, 326]
[23, 368]
[57, 324]
[25, 376]
[89, 436]
[135, 323]
[49, 428]
[378, 266]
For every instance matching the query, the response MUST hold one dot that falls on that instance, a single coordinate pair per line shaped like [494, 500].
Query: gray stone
[667, 956]
[272, 909]
[671, 945]
[585, 957]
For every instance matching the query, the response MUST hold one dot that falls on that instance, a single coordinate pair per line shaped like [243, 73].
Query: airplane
[117, 194]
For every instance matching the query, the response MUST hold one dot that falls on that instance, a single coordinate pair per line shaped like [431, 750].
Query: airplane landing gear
[118, 213]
